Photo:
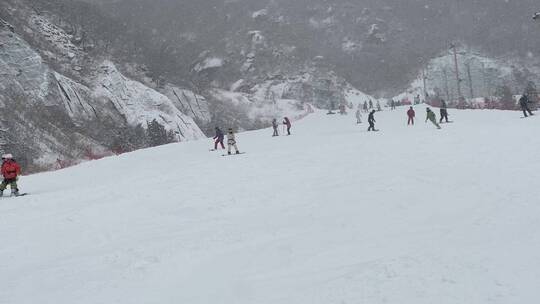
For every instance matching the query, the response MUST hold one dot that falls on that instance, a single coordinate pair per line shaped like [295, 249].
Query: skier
[342, 109]
[524, 104]
[231, 142]
[219, 139]
[444, 111]
[370, 104]
[417, 100]
[331, 110]
[411, 114]
[275, 127]
[393, 104]
[365, 107]
[431, 117]
[378, 106]
[287, 122]
[371, 120]
[358, 116]
[10, 171]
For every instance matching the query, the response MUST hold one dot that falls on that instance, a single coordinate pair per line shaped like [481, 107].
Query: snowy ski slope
[332, 214]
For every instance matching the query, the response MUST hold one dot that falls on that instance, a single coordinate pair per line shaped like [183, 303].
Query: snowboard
[233, 154]
[21, 194]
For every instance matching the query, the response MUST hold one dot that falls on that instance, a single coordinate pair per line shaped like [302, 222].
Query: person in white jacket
[359, 115]
[231, 141]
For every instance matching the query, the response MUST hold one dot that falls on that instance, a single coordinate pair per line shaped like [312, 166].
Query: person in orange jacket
[10, 171]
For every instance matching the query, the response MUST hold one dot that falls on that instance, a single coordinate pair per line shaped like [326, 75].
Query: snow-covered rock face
[105, 95]
[139, 104]
[21, 68]
[193, 105]
[54, 35]
[76, 99]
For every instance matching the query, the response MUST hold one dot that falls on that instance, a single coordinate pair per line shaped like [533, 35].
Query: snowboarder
[287, 123]
[444, 111]
[275, 127]
[417, 100]
[378, 106]
[358, 116]
[331, 110]
[411, 114]
[370, 104]
[231, 142]
[219, 139]
[524, 104]
[432, 117]
[365, 107]
[10, 171]
[371, 120]
[342, 109]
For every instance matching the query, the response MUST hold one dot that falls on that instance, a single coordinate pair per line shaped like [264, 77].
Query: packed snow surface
[332, 214]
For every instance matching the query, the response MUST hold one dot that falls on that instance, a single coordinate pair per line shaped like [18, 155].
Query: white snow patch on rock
[140, 104]
[260, 13]
[208, 63]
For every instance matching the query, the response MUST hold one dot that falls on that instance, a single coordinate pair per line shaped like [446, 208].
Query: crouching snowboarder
[287, 123]
[10, 172]
[231, 142]
[432, 117]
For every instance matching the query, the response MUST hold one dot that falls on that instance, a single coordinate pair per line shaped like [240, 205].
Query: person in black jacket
[444, 111]
[371, 120]
[524, 104]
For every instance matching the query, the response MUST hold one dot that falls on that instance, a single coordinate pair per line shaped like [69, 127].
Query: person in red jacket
[411, 114]
[10, 171]
[287, 122]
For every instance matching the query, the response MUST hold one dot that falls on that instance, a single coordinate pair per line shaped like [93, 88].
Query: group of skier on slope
[411, 114]
[231, 137]
[11, 170]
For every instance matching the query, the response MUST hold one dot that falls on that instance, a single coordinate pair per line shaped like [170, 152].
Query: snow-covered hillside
[481, 76]
[332, 214]
[75, 115]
